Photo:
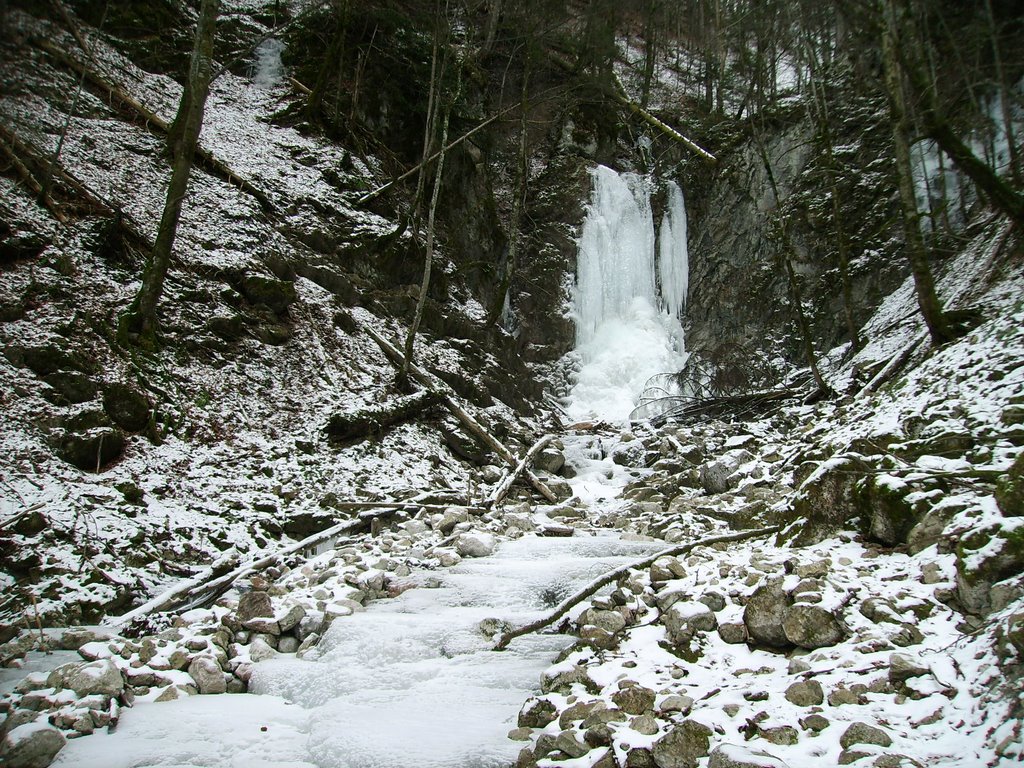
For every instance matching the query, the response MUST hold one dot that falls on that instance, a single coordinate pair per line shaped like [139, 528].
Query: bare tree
[924, 283]
[183, 136]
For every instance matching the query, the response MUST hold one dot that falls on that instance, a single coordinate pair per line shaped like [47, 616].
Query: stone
[640, 757]
[733, 633]
[261, 650]
[32, 745]
[127, 407]
[808, 626]
[719, 475]
[896, 761]
[291, 618]
[208, 675]
[841, 696]
[288, 644]
[550, 460]
[783, 735]
[310, 624]
[734, 756]
[253, 604]
[520, 734]
[985, 556]
[567, 743]
[451, 517]
[763, 615]
[929, 529]
[610, 621]
[850, 756]
[902, 667]
[863, 733]
[274, 294]
[645, 724]
[1010, 487]
[683, 746]
[807, 693]
[713, 600]
[475, 544]
[536, 713]
[263, 626]
[814, 723]
[100, 677]
[635, 700]
[684, 620]
[675, 703]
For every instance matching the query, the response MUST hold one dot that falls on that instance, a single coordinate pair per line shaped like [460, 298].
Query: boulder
[536, 713]
[550, 460]
[683, 746]
[208, 675]
[70, 387]
[127, 407]
[985, 556]
[808, 626]
[274, 294]
[825, 501]
[763, 615]
[1010, 489]
[254, 604]
[634, 700]
[475, 544]
[807, 693]
[734, 756]
[719, 476]
[32, 745]
[684, 620]
[902, 667]
[101, 677]
[862, 733]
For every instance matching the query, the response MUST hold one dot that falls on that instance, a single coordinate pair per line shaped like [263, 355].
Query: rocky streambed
[852, 648]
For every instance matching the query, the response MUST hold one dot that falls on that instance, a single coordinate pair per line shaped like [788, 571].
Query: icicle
[674, 260]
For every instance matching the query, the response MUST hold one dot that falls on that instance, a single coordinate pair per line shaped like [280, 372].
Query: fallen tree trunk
[213, 582]
[622, 97]
[474, 427]
[566, 605]
[502, 489]
[374, 419]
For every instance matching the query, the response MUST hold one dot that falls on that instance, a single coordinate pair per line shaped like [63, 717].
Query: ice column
[627, 330]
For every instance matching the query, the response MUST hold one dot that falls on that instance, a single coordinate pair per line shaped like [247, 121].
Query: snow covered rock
[32, 745]
[719, 476]
[763, 615]
[902, 667]
[808, 626]
[475, 544]
[634, 699]
[807, 693]
[536, 713]
[862, 733]
[254, 604]
[100, 677]
[734, 756]
[683, 746]
[207, 674]
[684, 620]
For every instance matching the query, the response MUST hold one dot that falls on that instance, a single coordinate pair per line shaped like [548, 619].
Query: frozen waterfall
[629, 297]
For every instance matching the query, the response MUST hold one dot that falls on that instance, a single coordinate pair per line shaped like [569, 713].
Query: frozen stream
[409, 683]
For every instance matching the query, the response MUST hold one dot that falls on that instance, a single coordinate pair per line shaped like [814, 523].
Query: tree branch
[566, 605]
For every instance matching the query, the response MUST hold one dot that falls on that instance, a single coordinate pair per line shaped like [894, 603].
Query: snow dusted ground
[243, 467]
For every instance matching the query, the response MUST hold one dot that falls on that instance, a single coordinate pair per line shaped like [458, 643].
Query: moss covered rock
[272, 293]
[126, 406]
[1010, 490]
[985, 556]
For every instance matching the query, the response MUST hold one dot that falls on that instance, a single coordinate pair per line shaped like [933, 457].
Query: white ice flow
[629, 297]
[410, 683]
